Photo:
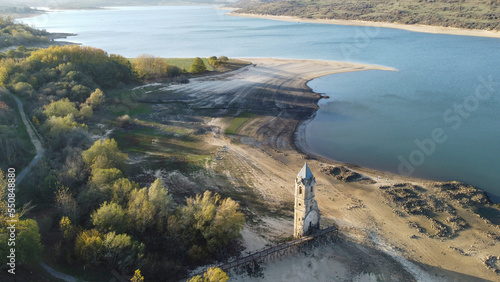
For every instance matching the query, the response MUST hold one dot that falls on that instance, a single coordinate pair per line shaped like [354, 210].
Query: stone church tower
[307, 215]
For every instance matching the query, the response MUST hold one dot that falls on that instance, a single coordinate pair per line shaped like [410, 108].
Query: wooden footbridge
[261, 254]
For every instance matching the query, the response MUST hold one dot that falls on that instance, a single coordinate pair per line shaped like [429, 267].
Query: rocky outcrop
[408, 197]
[342, 173]
[465, 195]
[491, 263]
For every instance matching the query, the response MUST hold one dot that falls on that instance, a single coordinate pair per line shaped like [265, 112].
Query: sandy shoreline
[415, 28]
[431, 232]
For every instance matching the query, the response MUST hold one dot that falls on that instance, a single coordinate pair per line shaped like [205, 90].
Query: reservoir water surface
[437, 117]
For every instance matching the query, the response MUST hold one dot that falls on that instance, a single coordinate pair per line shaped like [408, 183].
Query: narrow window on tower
[300, 189]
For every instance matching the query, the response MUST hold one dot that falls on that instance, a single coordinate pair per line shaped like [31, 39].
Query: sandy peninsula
[415, 28]
[392, 228]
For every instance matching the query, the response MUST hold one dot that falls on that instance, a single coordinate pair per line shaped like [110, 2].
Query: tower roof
[305, 172]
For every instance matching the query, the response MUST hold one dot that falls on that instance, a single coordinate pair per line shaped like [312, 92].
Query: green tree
[105, 176]
[23, 88]
[198, 66]
[213, 61]
[149, 67]
[213, 274]
[4, 75]
[207, 221]
[226, 225]
[96, 98]
[86, 112]
[35, 121]
[60, 108]
[89, 246]
[121, 190]
[58, 125]
[66, 204]
[162, 203]
[80, 92]
[107, 149]
[109, 217]
[67, 228]
[119, 250]
[223, 59]
[28, 246]
[140, 211]
[149, 207]
[137, 276]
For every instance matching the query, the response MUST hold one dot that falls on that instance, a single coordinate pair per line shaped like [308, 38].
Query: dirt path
[264, 155]
[57, 274]
[35, 139]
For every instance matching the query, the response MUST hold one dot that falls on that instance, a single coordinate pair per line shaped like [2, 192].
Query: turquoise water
[425, 120]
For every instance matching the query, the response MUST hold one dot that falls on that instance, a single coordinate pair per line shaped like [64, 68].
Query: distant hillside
[77, 4]
[468, 14]
[15, 34]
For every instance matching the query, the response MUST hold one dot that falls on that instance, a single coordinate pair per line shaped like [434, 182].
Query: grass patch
[173, 150]
[126, 102]
[238, 122]
[185, 63]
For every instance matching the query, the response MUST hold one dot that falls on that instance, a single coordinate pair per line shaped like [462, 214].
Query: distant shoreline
[414, 28]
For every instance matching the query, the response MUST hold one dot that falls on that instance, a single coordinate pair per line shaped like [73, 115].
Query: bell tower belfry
[306, 214]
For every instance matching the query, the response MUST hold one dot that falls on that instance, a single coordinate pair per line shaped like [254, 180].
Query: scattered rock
[342, 173]
[398, 212]
[491, 263]
[460, 251]
[465, 195]
[408, 197]
[416, 226]
[493, 236]
[442, 230]
[457, 223]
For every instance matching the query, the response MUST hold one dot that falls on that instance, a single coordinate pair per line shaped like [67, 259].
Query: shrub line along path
[36, 139]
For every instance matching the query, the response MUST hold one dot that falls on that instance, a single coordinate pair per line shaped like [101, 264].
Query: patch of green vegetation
[238, 122]
[126, 102]
[185, 63]
[162, 144]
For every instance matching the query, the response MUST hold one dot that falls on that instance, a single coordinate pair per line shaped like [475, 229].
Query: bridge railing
[258, 254]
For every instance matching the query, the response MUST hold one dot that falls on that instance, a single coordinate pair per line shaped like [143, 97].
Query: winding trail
[57, 274]
[36, 139]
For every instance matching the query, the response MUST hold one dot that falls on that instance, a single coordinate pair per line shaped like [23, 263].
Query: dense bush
[198, 66]
[149, 67]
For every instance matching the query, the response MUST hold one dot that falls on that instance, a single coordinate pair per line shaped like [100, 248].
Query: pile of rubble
[342, 173]
[465, 195]
[407, 196]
